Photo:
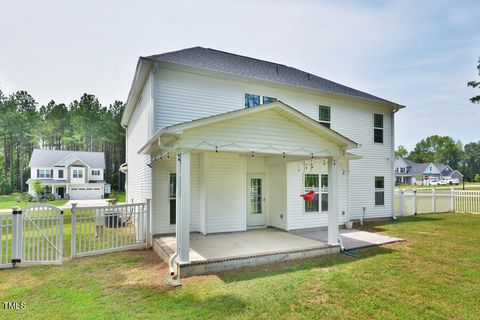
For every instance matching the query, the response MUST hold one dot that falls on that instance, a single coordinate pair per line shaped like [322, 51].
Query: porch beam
[332, 202]
[183, 209]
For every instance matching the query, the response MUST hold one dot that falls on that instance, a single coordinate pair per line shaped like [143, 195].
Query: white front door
[255, 201]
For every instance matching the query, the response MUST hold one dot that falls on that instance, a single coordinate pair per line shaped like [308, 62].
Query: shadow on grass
[378, 226]
[279, 268]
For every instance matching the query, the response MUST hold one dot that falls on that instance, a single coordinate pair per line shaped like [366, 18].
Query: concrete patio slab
[351, 239]
[219, 252]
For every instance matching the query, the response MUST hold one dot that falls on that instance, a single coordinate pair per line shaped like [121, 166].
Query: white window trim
[42, 173]
[382, 128]
[77, 172]
[320, 190]
[261, 98]
[379, 190]
[324, 121]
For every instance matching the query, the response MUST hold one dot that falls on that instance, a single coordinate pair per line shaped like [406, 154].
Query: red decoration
[308, 196]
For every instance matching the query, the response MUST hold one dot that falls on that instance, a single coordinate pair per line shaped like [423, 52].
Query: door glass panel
[255, 196]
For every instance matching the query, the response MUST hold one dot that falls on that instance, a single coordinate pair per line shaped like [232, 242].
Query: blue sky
[417, 53]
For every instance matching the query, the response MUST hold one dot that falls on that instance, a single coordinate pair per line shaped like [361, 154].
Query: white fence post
[16, 235]
[148, 230]
[452, 200]
[414, 201]
[402, 202]
[60, 237]
[434, 191]
[74, 230]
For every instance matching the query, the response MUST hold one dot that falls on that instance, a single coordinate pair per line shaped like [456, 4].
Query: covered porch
[243, 170]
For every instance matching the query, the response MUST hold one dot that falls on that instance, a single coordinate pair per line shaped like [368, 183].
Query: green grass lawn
[9, 201]
[435, 274]
[121, 197]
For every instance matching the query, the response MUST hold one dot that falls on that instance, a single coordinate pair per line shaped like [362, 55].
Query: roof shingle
[220, 61]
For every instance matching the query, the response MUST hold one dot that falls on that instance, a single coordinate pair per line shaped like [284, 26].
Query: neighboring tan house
[409, 172]
[69, 174]
[224, 143]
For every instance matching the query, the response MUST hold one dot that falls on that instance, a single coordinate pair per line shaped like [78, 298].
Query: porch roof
[167, 138]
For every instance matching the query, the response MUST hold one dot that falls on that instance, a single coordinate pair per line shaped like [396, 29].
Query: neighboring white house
[69, 174]
[409, 172]
[222, 142]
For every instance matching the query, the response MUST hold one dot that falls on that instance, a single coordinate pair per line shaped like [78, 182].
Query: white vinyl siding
[139, 130]
[183, 96]
[273, 128]
[296, 215]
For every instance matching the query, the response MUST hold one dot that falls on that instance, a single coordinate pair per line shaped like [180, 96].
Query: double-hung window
[77, 173]
[60, 174]
[251, 100]
[95, 172]
[44, 173]
[378, 128]
[379, 191]
[173, 198]
[324, 115]
[319, 184]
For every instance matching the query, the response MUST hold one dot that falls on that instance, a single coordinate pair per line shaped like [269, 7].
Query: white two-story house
[69, 174]
[222, 143]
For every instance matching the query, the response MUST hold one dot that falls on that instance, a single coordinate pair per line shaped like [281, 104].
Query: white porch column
[332, 202]
[183, 207]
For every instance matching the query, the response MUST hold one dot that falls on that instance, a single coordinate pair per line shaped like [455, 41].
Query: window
[313, 182]
[251, 100]
[379, 191]
[95, 172]
[77, 173]
[324, 115]
[44, 173]
[402, 170]
[60, 174]
[378, 128]
[173, 198]
[268, 99]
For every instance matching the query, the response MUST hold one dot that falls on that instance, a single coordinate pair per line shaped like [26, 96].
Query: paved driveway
[86, 203]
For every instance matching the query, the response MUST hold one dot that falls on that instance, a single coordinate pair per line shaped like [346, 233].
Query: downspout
[395, 110]
[171, 261]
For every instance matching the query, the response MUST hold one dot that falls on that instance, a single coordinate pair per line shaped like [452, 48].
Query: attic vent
[277, 70]
[308, 76]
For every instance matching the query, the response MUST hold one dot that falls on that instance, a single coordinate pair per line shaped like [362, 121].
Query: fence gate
[42, 234]
[97, 230]
[31, 235]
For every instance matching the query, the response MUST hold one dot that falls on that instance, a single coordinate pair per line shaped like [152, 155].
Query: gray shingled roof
[48, 158]
[220, 61]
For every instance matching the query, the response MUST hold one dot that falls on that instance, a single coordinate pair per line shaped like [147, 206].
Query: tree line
[82, 125]
[444, 149]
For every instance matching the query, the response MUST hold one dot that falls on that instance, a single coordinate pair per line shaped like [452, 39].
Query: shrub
[477, 177]
[114, 195]
[29, 198]
[18, 199]
[5, 187]
[51, 197]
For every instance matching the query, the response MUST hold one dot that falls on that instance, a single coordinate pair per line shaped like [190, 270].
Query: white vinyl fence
[467, 201]
[420, 201]
[97, 230]
[31, 235]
